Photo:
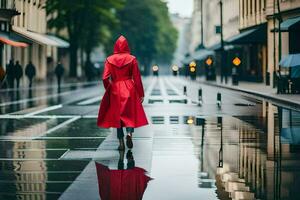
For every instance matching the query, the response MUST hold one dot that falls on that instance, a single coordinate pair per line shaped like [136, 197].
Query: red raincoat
[121, 104]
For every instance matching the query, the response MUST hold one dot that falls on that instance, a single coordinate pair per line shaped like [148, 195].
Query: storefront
[251, 45]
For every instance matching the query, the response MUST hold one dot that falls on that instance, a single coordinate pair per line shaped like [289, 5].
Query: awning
[255, 35]
[215, 47]
[202, 54]
[62, 43]
[35, 37]
[289, 23]
[6, 39]
[187, 60]
[290, 60]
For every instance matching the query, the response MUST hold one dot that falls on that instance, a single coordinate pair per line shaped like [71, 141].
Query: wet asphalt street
[241, 148]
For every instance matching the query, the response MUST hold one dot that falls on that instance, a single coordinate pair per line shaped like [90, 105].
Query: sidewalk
[257, 89]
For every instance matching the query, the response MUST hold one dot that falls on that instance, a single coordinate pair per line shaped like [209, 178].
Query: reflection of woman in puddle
[121, 105]
[129, 184]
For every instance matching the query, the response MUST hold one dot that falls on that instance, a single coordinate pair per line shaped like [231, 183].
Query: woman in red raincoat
[121, 104]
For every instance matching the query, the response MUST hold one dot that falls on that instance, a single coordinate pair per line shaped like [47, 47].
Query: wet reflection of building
[26, 172]
[269, 166]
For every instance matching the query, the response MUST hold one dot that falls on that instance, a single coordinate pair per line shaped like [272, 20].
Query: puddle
[171, 92]
[158, 120]
[153, 101]
[155, 92]
[182, 101]
[174, 119]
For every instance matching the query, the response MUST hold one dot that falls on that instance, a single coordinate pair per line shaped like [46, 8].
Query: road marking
[35, 98]
[38, 116]
[43, 110]
[16, 138]
[62, 125]
[90, 101]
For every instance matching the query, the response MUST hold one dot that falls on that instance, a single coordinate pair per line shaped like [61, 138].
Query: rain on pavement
[245, 148]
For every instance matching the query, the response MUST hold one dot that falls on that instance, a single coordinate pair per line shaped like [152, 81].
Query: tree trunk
[73, 60]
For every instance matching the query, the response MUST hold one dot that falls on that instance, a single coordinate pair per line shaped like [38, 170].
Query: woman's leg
[120, 135]
[129, 131]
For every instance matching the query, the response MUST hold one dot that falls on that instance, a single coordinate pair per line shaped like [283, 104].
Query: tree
[147, 26]
[86, 22]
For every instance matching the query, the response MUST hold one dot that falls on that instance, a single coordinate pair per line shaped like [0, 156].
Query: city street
[241, 147]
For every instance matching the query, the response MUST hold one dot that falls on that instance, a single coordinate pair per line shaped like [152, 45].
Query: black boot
[121, 145]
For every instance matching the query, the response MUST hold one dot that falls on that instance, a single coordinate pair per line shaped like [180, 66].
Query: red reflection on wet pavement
[127, 184]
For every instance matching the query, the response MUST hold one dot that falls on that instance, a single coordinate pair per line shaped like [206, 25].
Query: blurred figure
[30, 72]
[89, 70]
[59, 72]
[18, 73]
[2, 76]
[10, 73]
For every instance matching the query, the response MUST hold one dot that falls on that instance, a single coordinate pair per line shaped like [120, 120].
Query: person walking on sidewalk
[19, 73]
[10, 73]
[59, 71]
[30, 72]
[121, 105]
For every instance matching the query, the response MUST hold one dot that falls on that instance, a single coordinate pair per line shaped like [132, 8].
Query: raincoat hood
[121, 56]
[121, 45]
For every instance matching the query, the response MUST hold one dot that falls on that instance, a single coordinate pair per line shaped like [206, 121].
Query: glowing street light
[190, 120]
[155, 69]
[208, 61]
[236, 61]
[175, 68]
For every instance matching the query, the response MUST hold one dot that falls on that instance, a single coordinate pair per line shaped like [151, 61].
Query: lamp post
[193, 70]
[223, 66]
[236, 63]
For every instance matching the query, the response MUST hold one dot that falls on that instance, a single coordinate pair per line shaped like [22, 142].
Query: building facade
[289, 21]
[254, 43]
[26, 36]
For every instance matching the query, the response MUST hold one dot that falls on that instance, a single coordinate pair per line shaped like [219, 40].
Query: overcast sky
[183, 7]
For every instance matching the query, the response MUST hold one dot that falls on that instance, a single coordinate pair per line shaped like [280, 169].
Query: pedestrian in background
[19, 73]
[30, 72]
[59, 72]
[10, 73]
[121, 105]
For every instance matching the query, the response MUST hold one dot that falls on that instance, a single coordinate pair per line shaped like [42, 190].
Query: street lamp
[209, 70]
[155, 69]
[193, 66]
[175, 69]
[236, 62]
[223, 66]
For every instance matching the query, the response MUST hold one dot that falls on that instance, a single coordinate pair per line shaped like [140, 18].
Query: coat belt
[122, 79]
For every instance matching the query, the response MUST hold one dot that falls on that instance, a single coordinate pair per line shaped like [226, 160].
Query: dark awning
[215, 47]
[289, 23]
[202, 54]
[255, 35]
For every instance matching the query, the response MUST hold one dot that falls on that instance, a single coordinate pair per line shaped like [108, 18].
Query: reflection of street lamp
[220, 123]
[190, 120]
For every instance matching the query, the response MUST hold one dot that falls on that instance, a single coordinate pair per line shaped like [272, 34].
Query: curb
[279, 100]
